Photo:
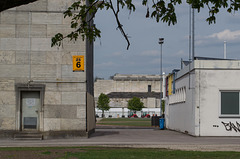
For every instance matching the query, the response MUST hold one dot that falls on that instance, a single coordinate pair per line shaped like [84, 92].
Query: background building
[39, 92]
[206, 98]
[122, 88]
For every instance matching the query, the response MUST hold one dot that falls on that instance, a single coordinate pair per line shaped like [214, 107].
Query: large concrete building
[123, 87]
[206, 98]
[39, 92]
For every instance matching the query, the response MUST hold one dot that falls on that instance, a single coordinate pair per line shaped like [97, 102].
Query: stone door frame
[23, 88]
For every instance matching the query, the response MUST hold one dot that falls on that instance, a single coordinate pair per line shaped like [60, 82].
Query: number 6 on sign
[78, 63]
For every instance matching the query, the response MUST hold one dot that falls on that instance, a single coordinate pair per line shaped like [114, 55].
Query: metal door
[30, 108]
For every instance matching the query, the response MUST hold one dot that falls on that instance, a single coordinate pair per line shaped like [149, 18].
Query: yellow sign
[78, 63]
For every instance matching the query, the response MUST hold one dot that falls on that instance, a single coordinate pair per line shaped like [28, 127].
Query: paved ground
[149, 138]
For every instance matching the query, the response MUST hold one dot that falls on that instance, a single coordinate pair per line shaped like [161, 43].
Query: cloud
[181, 53]
[155, 61]
[151, 53]
[233, 18]
[226, 35]
[117, 54]
[105, 64]
[217, 39]
[137, 3]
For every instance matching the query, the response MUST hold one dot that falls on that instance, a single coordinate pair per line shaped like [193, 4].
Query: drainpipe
[199, 102]
[190, 45]
[29, 37]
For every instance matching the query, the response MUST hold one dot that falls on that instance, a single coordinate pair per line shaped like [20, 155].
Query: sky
[143, 57]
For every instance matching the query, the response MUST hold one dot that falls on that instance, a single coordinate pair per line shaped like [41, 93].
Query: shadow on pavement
[103, 133]
[122, 127]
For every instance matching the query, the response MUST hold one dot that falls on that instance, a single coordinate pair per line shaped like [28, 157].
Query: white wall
[212, 81]
[199, 115]
[180, 115]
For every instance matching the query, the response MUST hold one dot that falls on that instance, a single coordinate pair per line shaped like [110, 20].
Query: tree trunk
[103, 114]
[7, 4]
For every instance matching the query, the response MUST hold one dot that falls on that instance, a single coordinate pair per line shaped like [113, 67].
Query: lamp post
[161, 40]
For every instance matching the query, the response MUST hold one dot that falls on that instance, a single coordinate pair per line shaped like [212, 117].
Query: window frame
[149, 88]
[220, 105]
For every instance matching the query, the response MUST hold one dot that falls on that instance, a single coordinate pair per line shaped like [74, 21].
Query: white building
[123, 87]
[206, 100]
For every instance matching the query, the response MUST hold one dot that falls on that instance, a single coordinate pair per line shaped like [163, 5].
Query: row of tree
[134, 104]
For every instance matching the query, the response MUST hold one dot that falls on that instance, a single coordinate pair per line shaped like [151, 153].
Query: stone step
[28, 136]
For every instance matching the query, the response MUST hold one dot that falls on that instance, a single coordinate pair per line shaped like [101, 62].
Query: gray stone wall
[128, 83]
[108, 86]
[7, 104]
[26, 55]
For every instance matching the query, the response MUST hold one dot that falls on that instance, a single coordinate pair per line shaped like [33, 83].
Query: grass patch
[46, 153]
[143, 122]
[116, 153]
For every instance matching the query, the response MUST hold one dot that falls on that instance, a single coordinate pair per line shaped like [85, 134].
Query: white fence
[125, 113]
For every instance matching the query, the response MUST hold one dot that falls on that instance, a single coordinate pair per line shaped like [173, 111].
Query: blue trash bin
[161, 123]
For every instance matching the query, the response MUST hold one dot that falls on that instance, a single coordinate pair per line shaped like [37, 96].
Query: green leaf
[103, 102]
[144, 2]
[160, 10]
[135, 104]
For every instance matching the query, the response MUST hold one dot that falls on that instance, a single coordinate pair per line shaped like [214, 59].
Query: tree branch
[120, 26]
[94, 4]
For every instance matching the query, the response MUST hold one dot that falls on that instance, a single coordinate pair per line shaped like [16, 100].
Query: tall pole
[193, 34]
[225, 50]
[161, 40]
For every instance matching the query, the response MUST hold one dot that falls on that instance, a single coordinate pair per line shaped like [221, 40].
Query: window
[230, 103]
[149, 88]
[178, 97]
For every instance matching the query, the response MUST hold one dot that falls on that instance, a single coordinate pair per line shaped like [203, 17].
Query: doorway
[30, 109]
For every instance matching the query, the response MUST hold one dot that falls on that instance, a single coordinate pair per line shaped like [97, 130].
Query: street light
[161, 40]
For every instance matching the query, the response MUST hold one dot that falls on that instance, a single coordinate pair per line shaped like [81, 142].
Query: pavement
[138, 138]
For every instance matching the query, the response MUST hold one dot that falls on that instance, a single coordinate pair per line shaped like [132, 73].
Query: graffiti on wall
[229, 126]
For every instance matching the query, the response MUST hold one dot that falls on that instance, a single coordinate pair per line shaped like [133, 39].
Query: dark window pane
[149, 88]
[229, 102]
